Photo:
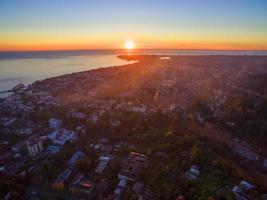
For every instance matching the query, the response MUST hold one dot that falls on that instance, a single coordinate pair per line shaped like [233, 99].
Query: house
[193, 173]
[55, 123]
[237, 190]
[52, 149]
[86, 187]
[117, 194]
[246, 153]
[240, 195]
[115, 123]
[61, 136]
[76, 180]
[122, 184]
[75, 157]
[133, 166]
[242, 190]
[102, 164]
[78, 115]
[119, 189]
[246, 185]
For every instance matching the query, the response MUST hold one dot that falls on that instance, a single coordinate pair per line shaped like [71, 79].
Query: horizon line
[109, 49]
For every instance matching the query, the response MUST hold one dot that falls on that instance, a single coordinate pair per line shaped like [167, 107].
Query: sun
[129, 44]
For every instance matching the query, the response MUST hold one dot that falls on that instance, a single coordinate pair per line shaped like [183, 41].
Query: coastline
[128, 58]
[29, 69]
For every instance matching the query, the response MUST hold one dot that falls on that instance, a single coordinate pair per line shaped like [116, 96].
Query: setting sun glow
[129, 44]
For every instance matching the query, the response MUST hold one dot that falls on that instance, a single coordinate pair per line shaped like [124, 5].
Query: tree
[196, 153]
[85, 165]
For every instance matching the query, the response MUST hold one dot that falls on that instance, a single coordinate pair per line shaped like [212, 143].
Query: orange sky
[169, 24]
[15, 42]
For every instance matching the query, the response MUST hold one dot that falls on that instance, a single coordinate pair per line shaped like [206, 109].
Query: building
[243, 190]
[85, 187]
[193, 173]
[61, 179]
[102, 164]
[34, 146]
[240, 195]
[246, 185]
[119, 189]
[52, 149]
[55, 123]
[75, 157]
[133, 166]
[246, 153]
[78, 115]
[115, 123]
[78, 185]
[61, 136]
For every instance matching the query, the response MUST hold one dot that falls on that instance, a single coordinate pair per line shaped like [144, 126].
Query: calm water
[26, 67]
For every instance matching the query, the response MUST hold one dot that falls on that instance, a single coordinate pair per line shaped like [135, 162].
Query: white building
[102, 164]
[55, 123]
[61, 136]
[34, 146]
[78, 115]
[120, 188]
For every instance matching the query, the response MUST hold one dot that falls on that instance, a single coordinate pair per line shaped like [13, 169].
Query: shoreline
[134, 59]
[27, 70]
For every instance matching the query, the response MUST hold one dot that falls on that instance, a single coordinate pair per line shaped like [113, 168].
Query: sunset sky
[98, 24]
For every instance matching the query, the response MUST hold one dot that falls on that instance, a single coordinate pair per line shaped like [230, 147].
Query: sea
[29, 66]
